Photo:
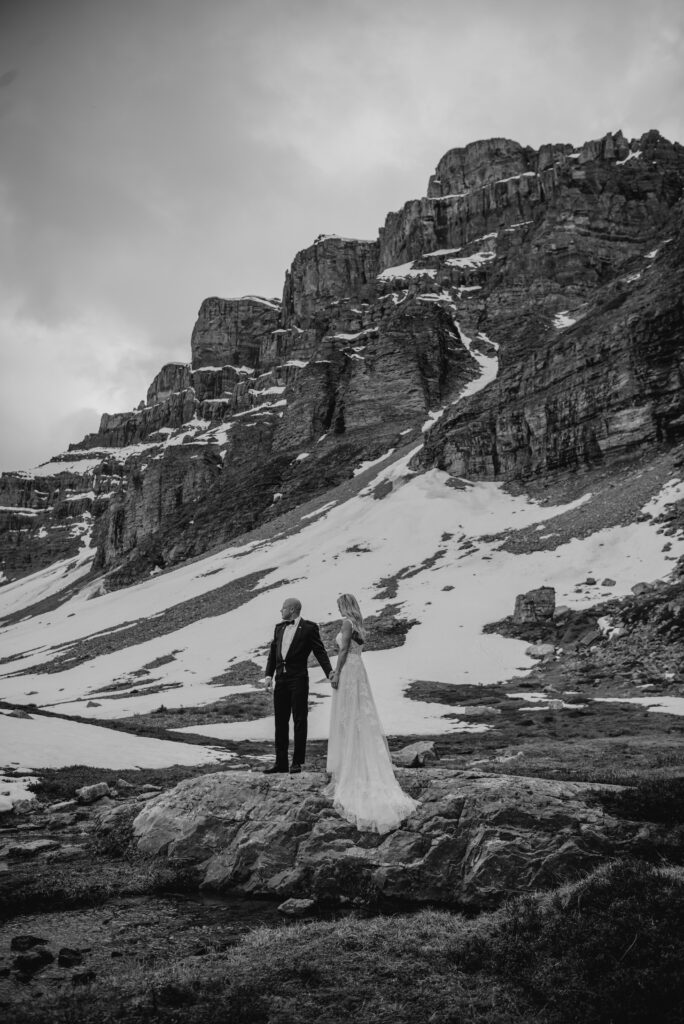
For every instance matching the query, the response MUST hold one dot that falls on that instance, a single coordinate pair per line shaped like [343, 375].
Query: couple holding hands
[363, 786]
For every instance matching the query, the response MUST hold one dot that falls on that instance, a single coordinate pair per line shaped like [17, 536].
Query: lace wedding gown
[363, 786]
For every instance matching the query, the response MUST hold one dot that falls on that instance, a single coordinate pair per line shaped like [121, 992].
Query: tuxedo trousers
[290, 700]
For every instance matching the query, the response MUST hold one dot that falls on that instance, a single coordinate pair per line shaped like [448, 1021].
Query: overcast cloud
[155, 152]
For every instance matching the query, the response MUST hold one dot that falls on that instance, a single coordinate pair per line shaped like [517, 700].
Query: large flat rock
[473, 839]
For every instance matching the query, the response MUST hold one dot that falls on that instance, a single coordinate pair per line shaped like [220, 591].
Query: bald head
[291, 608]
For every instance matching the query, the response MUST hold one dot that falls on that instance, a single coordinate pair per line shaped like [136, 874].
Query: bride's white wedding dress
[363, 786]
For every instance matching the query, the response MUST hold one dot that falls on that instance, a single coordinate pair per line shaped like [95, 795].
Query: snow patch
[478, 259]
[271, 303]
[563, 320]
[362, 467]
[451, 195]
[405, 270]
[41, 742]
[515, 177]
[319, 511]
[664, 704]
[631, 156]
[442, 252]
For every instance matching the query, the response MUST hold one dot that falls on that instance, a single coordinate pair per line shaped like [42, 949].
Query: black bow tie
[289, 622]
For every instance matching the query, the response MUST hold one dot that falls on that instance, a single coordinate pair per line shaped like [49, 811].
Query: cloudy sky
[155, 152]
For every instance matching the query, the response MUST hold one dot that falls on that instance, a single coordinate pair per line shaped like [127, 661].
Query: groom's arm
[271, 663]
[319, 651]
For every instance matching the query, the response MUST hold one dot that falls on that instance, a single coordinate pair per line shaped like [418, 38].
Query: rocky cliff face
[564, 263]
[586, 302]
[233, 330]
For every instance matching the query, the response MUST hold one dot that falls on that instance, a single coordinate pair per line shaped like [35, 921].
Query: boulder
[68, 957]
[62, 806]
[473, 839]
[535, 606]
[32, 962]
[589, 637]
[540, 650]
[83, 978]
[296, 908]
[25, 806]
[561, 611]
[415, 755]
[89, 794]
[23, 851]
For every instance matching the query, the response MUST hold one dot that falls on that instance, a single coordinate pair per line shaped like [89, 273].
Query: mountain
[474, 424]
[560, 267]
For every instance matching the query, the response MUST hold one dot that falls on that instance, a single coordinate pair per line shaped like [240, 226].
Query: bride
[363, 786]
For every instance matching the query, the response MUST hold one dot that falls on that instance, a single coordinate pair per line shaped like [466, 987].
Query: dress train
[363, 787]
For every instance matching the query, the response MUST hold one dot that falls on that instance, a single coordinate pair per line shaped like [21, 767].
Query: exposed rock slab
[473, 839]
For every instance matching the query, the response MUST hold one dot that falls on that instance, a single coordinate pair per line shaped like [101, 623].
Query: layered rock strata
[566, 263]
[601, 380]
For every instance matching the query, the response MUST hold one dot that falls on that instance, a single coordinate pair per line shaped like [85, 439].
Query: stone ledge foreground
[474, 838]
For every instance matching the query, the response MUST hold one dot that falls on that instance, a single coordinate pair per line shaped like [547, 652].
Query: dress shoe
[275, 770]
[295, 768]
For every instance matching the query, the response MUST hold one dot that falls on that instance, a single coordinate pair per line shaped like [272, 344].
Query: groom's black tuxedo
[291, 692]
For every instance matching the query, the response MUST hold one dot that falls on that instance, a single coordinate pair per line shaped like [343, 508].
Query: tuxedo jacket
[306, 641]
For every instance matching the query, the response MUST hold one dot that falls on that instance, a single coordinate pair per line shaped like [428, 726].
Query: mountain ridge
[514, 254]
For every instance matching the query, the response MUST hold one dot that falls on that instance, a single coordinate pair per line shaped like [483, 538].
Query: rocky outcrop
[178, 499]
[600, 381]
[587, 308]
[330, 272]
[609, 191]
[473, 840]
[233, 331]
[535, 606]
[155, 491]
[47, 515]
[567, 262]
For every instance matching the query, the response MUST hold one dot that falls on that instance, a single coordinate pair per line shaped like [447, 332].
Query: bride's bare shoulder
[346, 628]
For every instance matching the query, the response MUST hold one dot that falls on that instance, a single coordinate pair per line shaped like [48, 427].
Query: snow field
[41, 742]
[409, 526]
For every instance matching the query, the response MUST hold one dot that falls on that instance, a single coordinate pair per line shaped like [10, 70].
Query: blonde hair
[349, 608]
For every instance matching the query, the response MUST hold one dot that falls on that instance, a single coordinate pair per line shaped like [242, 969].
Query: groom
[293, 641]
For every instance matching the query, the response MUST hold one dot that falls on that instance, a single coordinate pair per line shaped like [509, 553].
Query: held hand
[268, 683]
[334, 679]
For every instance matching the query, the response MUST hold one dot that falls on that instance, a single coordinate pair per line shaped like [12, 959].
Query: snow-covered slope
[451, 574]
